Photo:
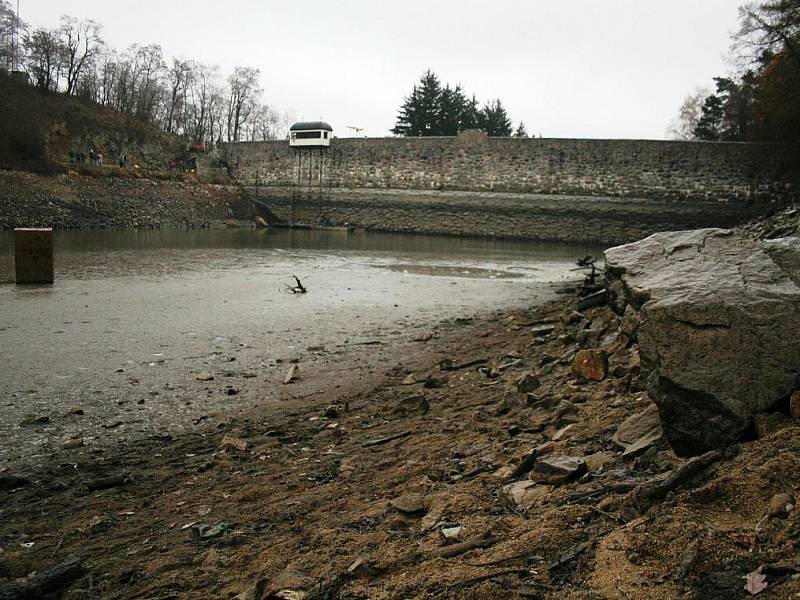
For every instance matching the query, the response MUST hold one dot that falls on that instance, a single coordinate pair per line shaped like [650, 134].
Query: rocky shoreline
[74, 201]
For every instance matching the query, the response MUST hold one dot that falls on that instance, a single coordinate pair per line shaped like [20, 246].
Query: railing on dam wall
[474, 162]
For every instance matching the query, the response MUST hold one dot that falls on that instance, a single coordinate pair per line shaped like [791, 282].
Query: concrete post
[33, 255]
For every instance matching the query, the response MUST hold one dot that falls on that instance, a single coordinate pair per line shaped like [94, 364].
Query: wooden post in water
[33, 255]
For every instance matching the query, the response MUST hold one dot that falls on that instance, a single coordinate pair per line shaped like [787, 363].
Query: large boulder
[717, 318]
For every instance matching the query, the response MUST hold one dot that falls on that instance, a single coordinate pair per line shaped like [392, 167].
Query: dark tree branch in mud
[594, 299]
[656, 490]
[480, 578]
[385, 440]
[297, 289]
[448, 364]
[454, 550]
[44, 583]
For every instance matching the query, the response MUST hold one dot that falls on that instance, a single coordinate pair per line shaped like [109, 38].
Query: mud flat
[513, 454]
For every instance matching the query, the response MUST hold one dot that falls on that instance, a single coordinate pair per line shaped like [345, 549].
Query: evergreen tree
[521, 132]
[452, 111]
[420, 113]
[727, 114]
[709, 126]
[433, 110]
[494, 120]
[471, 119]
[408, 115]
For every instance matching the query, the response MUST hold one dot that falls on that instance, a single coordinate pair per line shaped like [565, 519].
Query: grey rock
[413, 404]
[409, 503]
[527, 383]
[558, 469]
[638, 432]
[523, 495]
[716, 318]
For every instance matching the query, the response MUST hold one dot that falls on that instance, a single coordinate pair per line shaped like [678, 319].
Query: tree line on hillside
[434, 109]
[183, 97]
[761, 100]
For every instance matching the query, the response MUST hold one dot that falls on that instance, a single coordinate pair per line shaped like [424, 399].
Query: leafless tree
[243, 89]
[82, 43]
[178, 79]
[44, 58]
[683, 126]
[768, 28]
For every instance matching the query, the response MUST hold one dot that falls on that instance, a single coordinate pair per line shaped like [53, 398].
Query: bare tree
[82, 43]
[185, 98]
[178, 79]
[147, 72]
[44, 58]
[684, 125]
[768, 28]
[243, 90]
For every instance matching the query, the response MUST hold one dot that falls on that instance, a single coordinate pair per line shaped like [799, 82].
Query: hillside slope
[37, 132]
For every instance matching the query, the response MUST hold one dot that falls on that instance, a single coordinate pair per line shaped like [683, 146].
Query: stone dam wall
[503, 215]
[557, 189]
[475, 162]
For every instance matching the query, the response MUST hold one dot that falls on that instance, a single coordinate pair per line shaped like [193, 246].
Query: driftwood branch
[649, 491]
[483, 541]
[44, 583]
[297, 289]
[385, 440]
[473, 580]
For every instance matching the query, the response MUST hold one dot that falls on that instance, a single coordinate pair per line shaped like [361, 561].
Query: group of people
[96, 159]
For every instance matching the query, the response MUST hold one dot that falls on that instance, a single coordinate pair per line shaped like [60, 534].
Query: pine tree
[408, 115]
[420, 113]
[452, 110]
[521, 132]
[494, 120]
[709, 126]
[433, 110]
[471, 119]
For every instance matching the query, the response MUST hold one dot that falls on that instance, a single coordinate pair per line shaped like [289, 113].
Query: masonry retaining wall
[556, 189]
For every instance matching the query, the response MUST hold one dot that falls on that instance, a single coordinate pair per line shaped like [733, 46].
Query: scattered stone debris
[590, 364]
[523, 495]
[639, 432]
[527, 383]
[452, 535]
[207, 532]
[73, 443]
[293, 375]
[557, 470]
[205, 376]
[413, 404]
[230, 441]
[410, 503]
[781, 505]
[756, 582]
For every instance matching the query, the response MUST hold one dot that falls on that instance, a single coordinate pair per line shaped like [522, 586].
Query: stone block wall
[474, 162]
[503, 214]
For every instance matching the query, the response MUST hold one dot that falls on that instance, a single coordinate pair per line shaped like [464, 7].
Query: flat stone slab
[717, 316]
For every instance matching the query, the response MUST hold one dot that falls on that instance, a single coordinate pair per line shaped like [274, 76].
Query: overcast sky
[579, 68]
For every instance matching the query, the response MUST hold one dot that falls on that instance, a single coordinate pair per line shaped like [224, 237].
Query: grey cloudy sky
[579, 68]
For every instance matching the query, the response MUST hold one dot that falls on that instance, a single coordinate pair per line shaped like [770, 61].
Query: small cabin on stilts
[311, 141]
[315, 134]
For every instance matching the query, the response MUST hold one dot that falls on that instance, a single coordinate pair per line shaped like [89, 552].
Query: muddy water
[113, 350]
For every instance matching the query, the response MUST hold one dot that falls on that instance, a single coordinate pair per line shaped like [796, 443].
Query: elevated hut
[310, 134]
